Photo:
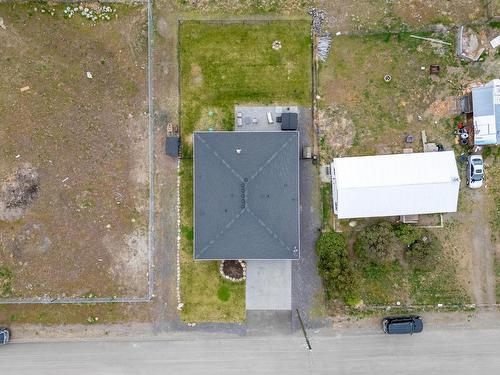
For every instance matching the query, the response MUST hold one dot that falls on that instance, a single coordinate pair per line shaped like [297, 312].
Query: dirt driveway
[467, 235]
[477, 236]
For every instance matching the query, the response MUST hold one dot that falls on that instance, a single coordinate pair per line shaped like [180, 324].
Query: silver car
[475, 171]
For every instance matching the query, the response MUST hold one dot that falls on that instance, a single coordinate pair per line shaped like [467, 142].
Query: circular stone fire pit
[233, 270]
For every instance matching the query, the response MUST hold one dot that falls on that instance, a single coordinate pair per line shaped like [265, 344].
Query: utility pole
[304, 331]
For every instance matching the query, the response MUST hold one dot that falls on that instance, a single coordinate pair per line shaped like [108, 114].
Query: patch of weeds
[493, 180]
[386, 37]
[224, 293]
[437, 286]
[326, 198]
[495, 24]
[41, 316]
[335, 268]
[486, 152]
[404, 263]
[497, 276]
[5, 282]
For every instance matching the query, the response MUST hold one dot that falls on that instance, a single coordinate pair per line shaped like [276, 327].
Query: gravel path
[306, 284]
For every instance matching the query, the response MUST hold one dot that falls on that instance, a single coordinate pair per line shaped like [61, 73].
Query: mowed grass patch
[205, 294]
[383, 112]
[220, 66]
[224, 65]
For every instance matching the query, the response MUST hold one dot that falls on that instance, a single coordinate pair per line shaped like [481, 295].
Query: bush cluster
[335, 268]
[378, 243]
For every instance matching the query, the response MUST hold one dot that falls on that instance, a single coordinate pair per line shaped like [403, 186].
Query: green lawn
[222, 65]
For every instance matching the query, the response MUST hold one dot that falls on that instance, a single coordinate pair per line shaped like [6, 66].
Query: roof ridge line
[271, 158]
[221, 159]
[221, 232]
[269, 230]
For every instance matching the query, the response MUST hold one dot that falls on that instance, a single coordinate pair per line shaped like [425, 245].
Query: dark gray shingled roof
[246, 195]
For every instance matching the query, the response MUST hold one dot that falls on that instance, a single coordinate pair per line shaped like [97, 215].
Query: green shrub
[335, 268]
[377, 242]
[407, 234]
[5, 282]
[223, 293]
[423, 252]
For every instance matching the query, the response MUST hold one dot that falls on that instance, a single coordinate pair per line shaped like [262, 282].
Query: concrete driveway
[269, 285]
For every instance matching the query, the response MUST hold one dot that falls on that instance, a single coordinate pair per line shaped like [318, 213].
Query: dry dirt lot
[73, 152]
[359, 15]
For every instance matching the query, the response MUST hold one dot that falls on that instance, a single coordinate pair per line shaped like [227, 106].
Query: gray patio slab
[269, 285]
[254, 118]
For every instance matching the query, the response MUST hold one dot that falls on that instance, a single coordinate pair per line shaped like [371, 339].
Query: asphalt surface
[431, 352]
[306, 284]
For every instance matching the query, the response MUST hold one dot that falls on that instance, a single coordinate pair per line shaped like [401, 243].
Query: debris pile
[318, 20]
[324, 38]
[469, 45]
[18, 191]
[324, 44]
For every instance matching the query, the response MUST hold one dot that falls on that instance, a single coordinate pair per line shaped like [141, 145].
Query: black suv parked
[402, 324]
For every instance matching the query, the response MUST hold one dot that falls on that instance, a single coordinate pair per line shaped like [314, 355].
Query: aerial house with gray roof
[246, 195]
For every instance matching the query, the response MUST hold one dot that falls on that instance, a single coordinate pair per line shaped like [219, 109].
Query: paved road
[432, 352]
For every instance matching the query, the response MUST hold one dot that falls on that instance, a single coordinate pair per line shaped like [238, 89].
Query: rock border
[233, 279]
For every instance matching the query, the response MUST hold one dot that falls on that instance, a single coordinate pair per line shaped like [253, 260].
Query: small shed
[486, 113]
[172, 145]
[289, 121]
[395, 185]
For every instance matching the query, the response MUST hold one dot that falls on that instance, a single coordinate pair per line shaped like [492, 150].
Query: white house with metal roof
[486, 113]
[395, 185]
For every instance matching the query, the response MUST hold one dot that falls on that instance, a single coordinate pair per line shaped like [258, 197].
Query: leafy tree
[423, 252]
[335, 268]
[408, 234]
[377, 242]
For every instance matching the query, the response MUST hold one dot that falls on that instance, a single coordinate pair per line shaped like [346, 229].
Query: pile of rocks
[102, 13]
[324, 44]
[324, 38]
[318, 20]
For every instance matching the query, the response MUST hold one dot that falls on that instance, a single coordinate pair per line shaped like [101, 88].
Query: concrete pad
[269, 322]
[269, 285]
[254, 118]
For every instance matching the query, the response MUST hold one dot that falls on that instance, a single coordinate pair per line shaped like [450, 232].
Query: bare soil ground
[75, 223]
[369, 15]
[359, 15]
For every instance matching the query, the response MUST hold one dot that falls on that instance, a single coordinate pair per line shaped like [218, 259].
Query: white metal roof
[392, 185]
[486, 107]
